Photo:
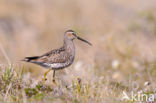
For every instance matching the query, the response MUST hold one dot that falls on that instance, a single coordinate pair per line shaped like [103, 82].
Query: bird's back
[55, 59]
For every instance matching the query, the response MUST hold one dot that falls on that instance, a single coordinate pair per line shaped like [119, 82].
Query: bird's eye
[74, 34]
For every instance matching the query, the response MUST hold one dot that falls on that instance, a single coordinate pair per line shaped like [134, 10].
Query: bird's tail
[29, 59]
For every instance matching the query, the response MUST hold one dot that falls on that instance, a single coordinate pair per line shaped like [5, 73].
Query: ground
[120, 67]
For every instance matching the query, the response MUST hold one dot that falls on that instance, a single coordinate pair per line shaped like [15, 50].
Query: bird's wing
[54, 56]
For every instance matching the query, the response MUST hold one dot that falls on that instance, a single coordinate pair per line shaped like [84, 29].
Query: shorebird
[58, 58]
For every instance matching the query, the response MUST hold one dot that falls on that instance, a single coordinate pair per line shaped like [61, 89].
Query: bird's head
[71, 35]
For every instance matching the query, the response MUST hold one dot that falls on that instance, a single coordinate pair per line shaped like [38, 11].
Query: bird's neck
[69, 45]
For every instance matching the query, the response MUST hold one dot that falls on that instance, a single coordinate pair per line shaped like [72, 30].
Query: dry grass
[122, 59]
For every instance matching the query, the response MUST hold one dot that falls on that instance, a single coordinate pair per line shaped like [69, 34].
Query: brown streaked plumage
[58, 58]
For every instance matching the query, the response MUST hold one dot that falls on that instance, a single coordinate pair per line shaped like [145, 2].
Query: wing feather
[54, 56]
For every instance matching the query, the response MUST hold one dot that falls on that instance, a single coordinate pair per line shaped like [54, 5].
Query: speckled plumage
[58, 58]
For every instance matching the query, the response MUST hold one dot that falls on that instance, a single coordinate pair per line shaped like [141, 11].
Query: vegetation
[121, 62]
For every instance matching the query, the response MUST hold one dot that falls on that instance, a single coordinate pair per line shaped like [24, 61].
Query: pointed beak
[79, 38]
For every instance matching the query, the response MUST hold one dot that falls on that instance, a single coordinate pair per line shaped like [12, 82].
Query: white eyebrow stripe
[70, 32]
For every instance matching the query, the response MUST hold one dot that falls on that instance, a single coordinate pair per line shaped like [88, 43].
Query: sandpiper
[58, 58]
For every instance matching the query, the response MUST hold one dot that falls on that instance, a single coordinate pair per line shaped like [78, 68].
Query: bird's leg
[54, 77]
[45, 74]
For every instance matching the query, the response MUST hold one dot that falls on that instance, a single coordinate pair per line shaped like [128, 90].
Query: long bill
[79, 38]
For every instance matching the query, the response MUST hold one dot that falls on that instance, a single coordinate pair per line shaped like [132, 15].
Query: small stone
[115, 64]
[146, 83]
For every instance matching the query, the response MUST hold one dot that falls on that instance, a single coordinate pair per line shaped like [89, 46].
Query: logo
[138, 97]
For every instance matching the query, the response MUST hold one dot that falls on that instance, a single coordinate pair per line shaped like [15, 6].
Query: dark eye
[74, 34]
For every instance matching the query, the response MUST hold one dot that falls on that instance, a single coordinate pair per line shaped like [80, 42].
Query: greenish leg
[54, 77]
[45, 74]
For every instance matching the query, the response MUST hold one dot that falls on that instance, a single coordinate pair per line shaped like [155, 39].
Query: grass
[14, 89]
[121, 60]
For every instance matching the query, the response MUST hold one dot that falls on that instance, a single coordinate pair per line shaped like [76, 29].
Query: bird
[58, 59]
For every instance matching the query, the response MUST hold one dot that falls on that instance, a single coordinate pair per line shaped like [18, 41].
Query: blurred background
[123, 34]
